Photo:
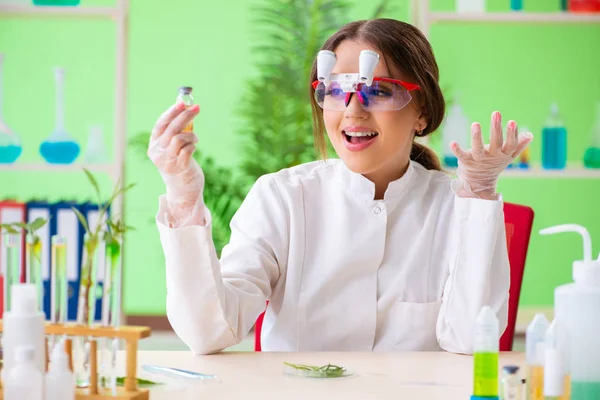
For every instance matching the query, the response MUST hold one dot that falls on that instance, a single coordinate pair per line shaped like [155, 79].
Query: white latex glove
[479, 167]
[171, 149]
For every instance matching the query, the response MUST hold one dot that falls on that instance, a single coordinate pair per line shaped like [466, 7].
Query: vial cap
[23, 298]
[24, 354]
[185, 89]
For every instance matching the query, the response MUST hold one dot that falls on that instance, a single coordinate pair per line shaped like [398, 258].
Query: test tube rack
[130, 334]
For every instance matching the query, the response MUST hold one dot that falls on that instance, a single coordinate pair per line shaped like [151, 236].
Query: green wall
[518, 70]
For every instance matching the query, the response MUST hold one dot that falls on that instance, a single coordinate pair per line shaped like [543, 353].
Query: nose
[354, 109]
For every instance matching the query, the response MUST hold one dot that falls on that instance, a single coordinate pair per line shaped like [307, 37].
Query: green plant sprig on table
[327, 371]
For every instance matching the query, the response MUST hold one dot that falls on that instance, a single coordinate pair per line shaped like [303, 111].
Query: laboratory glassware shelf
[571, 172]
[57, 11]
[514, 17]
[44, 167]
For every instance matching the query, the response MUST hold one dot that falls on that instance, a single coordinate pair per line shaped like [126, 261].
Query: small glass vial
[185, 96]
[511, 385]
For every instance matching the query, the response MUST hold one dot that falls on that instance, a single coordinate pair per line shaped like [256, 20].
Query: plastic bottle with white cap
[23, 381]
[24, 326]
[577, 306]
[60, 380]
[557, 384]
[535, 336]
[485, 356]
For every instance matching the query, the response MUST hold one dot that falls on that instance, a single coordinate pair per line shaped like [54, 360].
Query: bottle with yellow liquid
[535, 337]
[185, 96]
[557, 372]
[485, 367]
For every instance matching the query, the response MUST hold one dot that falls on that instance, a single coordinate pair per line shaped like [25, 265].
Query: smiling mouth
[359, 137]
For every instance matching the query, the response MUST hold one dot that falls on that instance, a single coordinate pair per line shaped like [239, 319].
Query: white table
[249, 375]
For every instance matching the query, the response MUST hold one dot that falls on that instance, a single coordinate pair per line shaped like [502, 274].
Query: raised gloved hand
[479, 167]
[171, 149]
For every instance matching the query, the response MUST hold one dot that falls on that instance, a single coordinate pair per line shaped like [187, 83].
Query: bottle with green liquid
[591, 158]
[485, 360]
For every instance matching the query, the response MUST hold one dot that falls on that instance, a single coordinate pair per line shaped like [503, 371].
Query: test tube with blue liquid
[59, 147]
[554, 141]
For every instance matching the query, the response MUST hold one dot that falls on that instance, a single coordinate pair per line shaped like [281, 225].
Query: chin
[359, 164]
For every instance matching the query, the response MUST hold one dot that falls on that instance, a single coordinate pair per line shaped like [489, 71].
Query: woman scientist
[377, 250]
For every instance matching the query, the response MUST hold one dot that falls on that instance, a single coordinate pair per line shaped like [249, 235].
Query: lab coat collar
[360, 186]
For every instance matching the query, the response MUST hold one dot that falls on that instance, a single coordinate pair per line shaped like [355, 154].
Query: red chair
[518, 221]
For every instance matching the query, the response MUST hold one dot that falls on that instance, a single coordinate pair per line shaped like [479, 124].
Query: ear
[421, 123]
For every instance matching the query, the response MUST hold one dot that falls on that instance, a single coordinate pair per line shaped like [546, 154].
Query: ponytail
[425, 156]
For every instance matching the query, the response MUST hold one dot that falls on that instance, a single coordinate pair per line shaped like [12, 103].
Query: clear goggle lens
[380, 96]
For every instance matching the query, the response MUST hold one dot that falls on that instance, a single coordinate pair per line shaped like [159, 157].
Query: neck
[383, 176]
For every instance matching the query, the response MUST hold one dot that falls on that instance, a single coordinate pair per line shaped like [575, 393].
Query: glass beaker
[60, 147]
[591, 158]
[10, 143]
[95, 152]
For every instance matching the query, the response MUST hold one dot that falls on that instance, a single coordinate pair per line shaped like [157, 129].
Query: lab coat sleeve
[212, 304]
[479, 273]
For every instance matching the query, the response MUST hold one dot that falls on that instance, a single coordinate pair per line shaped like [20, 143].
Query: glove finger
[458, 152]
[177, 125]
[496, 139]
[524, 139]
[512, 132]
[179, 141]
[477, 140]
[165, 119]
[185, 155]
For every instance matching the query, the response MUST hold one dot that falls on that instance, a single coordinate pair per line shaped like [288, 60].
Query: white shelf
[52, 11]
[515, 16]
[535, 172]
[43, 167]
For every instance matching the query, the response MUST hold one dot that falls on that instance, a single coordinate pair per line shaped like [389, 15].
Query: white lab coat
[341, 270]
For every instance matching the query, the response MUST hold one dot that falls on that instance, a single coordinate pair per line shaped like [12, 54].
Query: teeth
[360, 133]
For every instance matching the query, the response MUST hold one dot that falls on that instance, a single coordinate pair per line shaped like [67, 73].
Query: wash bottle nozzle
[586, 271]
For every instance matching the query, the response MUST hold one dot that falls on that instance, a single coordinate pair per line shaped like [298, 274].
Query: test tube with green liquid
[10, 264]
[111, 307]
[58, 281]
[485, 360]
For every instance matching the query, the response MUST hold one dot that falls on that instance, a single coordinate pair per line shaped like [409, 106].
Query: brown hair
[407, 49]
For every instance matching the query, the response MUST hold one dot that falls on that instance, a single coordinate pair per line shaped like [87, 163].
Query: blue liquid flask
[60, 147]
[554, 141]
[10, 143]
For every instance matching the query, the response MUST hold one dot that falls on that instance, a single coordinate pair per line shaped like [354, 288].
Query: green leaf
[37, 223]
[325, 371]
[140, 381]
[81, 219]
[9, 228]
[94, 184]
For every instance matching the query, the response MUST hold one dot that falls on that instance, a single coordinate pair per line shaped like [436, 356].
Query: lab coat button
[377, 210]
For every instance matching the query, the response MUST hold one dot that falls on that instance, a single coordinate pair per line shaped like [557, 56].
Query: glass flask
[591, 158]
[60, 147]
[95, 151]
[10, 143]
